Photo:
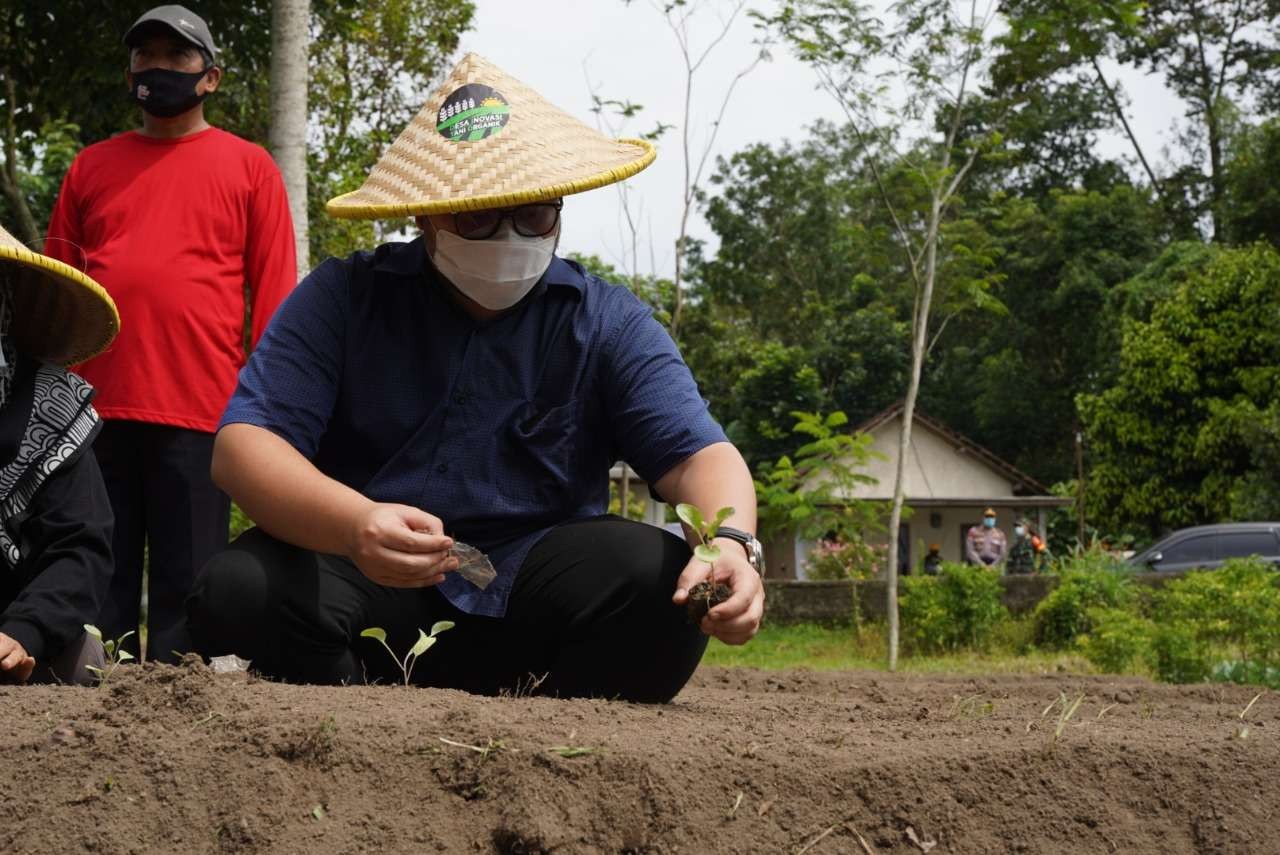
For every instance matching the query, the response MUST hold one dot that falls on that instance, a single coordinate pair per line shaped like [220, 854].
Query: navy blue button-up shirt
[503, 429]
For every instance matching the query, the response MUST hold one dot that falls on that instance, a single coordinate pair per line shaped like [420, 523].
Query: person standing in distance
[177, 220]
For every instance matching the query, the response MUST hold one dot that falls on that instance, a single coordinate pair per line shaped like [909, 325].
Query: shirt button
[442, 468]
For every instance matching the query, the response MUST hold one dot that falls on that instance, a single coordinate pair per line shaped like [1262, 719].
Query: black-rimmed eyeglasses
[536, 220]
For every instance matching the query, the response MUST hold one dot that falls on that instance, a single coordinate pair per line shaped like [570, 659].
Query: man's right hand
[401, 547]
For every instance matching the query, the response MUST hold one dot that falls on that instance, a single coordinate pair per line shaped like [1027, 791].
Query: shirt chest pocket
[543, 448]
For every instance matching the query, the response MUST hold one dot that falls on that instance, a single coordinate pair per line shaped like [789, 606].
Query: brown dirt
[703, 598]
[180, 760]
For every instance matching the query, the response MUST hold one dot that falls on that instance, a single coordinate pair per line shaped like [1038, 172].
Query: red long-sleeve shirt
[175, 229]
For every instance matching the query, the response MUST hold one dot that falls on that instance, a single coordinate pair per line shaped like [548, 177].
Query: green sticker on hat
[472, 113]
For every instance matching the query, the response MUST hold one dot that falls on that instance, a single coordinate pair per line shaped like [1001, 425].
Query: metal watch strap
[755, 550]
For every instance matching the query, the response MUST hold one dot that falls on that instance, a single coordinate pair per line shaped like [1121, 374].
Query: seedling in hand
[116, 654]
[421, 646]
[706, 594]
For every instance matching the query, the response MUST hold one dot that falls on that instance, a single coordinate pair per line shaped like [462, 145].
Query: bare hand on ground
[737, 619]
[401, 547]
[15, 665]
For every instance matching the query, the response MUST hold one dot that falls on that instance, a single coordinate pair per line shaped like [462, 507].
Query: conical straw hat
[485, 140]
[60, 315]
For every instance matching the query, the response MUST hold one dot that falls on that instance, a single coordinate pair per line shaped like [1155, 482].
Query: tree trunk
[287, 137]
[919, 338]
[1217, 181]
[25, 224]
[1124, 121]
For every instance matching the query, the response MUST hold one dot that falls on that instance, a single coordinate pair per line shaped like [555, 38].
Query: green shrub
[1180, 656]
[960, 607]
[848, 558]
[1117, 639]
[1233, 612]
[1015, 636]
[1246, 672]
[1063, 616]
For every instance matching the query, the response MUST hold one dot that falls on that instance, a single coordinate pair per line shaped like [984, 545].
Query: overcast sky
[628, 52]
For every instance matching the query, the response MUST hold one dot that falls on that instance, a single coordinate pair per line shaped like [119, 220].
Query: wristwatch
[754, 548]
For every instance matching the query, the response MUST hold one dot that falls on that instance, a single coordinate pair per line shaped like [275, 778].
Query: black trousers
[590, 615]
[168, 511]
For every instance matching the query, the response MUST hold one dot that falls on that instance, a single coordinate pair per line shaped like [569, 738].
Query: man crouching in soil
[471, 385]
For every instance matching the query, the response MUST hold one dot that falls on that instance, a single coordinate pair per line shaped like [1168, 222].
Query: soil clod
[703, 598]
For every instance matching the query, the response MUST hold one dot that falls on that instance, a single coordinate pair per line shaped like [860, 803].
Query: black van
[1209, 545]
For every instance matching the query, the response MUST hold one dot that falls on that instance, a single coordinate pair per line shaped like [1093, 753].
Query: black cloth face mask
[166, 93]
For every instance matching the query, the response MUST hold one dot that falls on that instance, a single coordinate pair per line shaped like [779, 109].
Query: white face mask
[497, 272]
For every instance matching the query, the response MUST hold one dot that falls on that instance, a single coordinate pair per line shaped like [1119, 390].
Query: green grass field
[830, 648]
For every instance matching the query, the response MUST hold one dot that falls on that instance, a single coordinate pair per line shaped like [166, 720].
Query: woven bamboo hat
[62, 316]
[485, 140]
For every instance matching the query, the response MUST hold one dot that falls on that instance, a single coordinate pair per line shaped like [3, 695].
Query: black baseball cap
[180, 20]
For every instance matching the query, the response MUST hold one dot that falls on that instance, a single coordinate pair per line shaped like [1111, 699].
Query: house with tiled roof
[950, 480]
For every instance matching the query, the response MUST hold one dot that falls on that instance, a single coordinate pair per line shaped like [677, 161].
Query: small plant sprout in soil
[421, 646]
[707, 594]
[116, 654]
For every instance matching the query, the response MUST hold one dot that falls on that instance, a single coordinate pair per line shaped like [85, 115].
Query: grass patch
[837, 648]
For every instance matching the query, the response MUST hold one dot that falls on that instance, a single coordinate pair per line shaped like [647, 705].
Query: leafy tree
[1010, 381]
[1053, 53]
[1252, 210]
[1197, 386]
[1216, 56]
[809, 494]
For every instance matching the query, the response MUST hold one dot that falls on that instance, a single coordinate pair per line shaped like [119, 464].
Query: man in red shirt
[175, 220]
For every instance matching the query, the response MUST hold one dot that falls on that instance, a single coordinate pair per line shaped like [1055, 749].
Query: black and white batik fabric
[62, 422]
[8, 354]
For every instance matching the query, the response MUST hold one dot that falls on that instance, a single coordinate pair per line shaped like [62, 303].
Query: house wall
[936, 468]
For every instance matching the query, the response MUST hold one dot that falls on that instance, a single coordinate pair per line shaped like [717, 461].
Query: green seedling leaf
[110, 647]
[123, 656]
[318, 812]
[423, 644]
[93, 630]
[440, 626]
[571, 751]
[375, 632]
[709, 554]
[721, 515]
[691, 517]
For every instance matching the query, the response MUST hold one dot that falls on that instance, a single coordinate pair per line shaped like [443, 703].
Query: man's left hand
[737, 619]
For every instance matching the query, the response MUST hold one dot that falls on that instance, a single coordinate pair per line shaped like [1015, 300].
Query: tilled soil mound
[166, 760]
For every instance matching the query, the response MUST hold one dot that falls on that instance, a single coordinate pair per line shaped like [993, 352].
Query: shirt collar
[410, 259]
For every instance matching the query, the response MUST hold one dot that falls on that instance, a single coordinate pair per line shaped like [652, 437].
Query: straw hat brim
[353, 206]
[60, 315]
[487, 140]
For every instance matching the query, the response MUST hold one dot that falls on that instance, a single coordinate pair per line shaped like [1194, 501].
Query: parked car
[1208, 546]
